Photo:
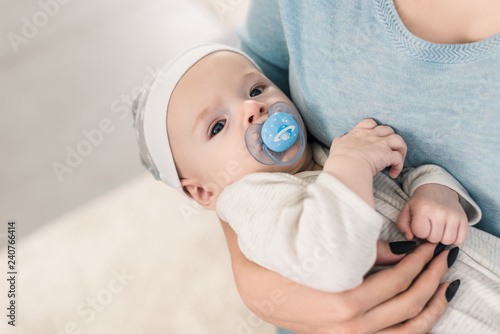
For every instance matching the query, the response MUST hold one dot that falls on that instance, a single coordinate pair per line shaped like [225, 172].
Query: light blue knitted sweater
[347, 60]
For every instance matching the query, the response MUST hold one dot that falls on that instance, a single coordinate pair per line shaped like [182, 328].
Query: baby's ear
[196, 191]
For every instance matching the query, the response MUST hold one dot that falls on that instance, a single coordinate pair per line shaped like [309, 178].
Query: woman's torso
[350, 60]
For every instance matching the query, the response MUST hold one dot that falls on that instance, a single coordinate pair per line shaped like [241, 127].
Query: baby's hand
[434, 213]
[373, 146]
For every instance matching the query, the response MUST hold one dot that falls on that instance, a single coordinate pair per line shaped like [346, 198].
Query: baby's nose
[252, 112]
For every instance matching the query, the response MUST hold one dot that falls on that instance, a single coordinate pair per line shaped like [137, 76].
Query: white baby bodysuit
[312, 229]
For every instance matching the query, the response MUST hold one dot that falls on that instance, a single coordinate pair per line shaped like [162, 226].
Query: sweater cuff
[471, 208]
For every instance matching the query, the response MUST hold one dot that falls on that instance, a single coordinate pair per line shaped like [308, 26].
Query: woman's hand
[402, 299]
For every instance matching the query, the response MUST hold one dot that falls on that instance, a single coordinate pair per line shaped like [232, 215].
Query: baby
[305, 207]
[305, 211]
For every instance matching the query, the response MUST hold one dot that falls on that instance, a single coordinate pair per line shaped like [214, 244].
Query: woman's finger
[426, 319]
[412, 302]
[387, 283]
[392, 253]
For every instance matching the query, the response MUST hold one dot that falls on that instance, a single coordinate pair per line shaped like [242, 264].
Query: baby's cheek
[243, 155]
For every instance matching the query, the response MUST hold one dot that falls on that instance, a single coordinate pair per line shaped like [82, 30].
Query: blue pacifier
[275, 140]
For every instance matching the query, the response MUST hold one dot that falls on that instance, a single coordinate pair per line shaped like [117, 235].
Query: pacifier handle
[269, 142]
[276, 158]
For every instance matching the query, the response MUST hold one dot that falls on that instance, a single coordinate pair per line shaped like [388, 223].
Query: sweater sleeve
[412, 178]
[319, 234]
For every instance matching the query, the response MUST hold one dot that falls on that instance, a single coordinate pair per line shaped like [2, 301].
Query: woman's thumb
[391, 253]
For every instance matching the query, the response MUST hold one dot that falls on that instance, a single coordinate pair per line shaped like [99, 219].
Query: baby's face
[209, 111]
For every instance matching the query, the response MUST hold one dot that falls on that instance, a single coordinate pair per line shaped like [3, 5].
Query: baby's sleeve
[319, 234]
[412, 178]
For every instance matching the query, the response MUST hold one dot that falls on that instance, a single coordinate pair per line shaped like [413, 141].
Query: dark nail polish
[452, 256]
[439, 248]
[452, 289]
[401, 247]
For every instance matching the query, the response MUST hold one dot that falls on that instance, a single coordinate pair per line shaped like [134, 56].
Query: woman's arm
[380, 305]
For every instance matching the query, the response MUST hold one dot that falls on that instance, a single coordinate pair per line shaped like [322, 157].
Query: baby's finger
[437, 229]
[420, 225]
[396, 143]
[337, 139]
[366, 124]
[397, 164]
[383, 131]
[463, 230]
[404, 222]
[450, 231]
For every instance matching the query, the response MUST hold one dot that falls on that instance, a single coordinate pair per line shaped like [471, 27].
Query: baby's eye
[256, 91]
[217, 128]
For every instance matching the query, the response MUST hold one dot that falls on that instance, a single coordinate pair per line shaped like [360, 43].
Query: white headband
[150, 113]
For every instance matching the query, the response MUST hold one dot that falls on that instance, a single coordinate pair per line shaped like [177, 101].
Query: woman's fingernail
[401, 247]
[452, 256]
[439, 248]
[452, 289]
